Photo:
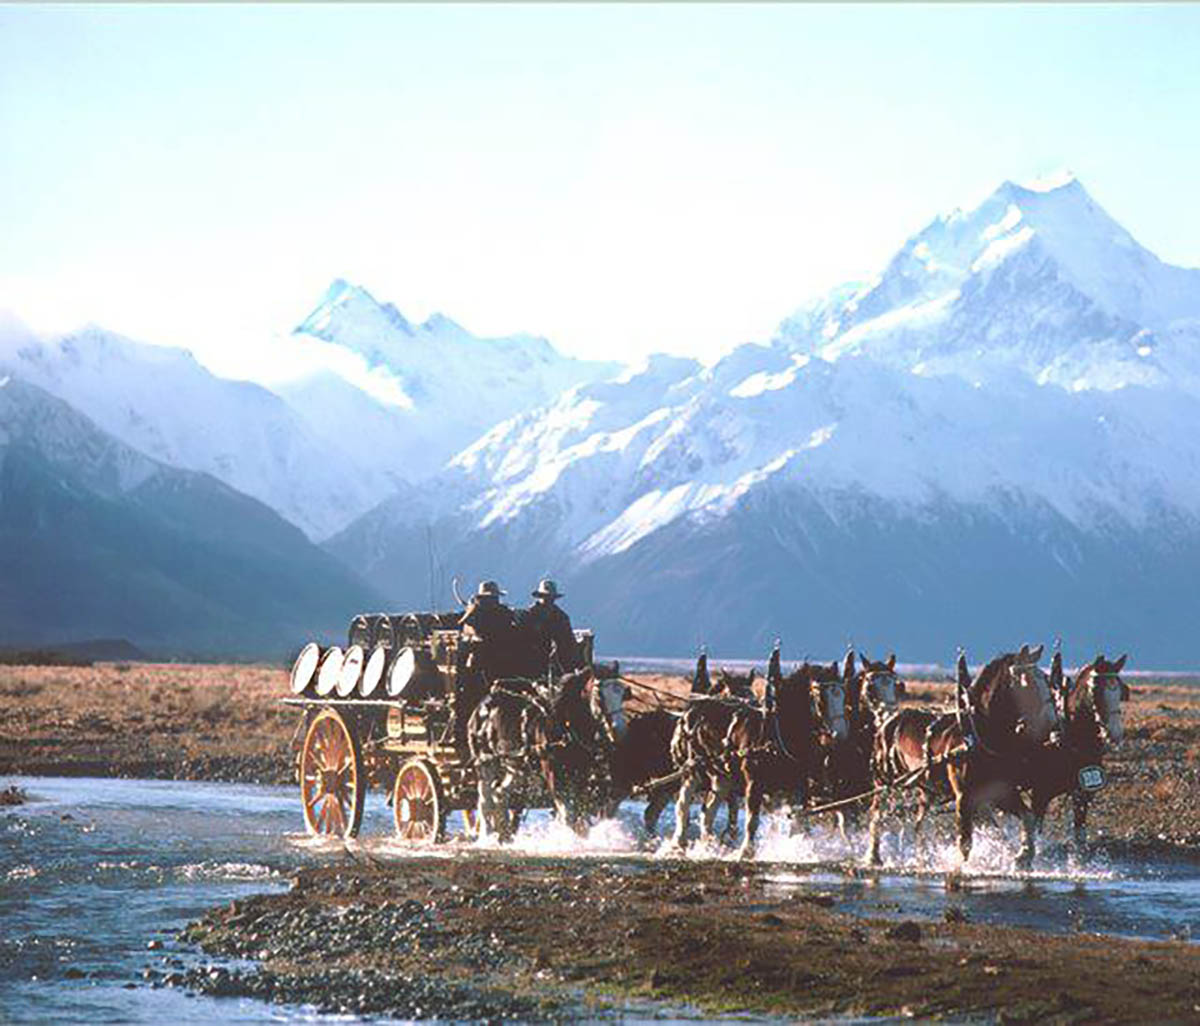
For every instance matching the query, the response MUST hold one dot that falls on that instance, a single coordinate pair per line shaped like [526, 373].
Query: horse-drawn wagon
[389, 711]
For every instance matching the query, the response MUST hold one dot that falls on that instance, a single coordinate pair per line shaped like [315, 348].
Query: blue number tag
[1091, 778]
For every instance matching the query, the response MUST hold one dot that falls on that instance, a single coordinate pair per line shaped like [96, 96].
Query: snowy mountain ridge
[320, 449]
[1021, 374]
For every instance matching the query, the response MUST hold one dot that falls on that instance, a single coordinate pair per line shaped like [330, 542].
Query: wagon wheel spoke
[418, 803]
[332, 782]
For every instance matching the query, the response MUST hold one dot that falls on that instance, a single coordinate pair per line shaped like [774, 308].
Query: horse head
[827, 692]
[1034, 711]
[735, 685]
[879, 688]
[1100, 687]
[606, 702]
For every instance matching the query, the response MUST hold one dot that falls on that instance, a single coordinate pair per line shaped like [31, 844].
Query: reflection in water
[97, 875]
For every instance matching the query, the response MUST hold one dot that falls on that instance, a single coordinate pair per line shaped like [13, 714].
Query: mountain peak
[345, 303]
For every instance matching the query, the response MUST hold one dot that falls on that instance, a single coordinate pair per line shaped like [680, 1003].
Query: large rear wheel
[333, 784]
[419, 803]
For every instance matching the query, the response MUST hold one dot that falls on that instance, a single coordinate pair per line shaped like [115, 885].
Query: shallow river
[97, 875]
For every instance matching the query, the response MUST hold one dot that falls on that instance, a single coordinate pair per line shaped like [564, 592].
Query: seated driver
[551, 627]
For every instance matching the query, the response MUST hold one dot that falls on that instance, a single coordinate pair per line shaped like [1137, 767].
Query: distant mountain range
[995, 439]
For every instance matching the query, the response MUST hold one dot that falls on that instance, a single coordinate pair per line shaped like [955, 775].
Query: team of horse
[822, 737]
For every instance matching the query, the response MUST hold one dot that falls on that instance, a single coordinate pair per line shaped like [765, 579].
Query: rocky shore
[499, 937]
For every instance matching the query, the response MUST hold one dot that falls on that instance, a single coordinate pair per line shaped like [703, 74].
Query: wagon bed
[406, 744]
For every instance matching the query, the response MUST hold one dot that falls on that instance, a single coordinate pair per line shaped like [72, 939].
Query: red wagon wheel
[418, 803]
[333, 785]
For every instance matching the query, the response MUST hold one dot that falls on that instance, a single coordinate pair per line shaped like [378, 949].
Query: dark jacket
[494, 624]
[548, 625]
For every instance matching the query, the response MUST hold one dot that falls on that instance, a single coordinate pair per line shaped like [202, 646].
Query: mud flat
[505, 936]
[225, 723]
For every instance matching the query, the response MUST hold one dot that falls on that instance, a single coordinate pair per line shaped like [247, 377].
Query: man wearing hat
[551, 626]
[492, 622]
[491, 627]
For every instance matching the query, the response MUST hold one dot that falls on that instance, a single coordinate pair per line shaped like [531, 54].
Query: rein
[730, 700]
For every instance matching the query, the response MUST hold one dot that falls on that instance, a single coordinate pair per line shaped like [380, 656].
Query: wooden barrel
[382, 632]
[360, 631]
[329, 671]
[352, 664]
[373, 671]
[304, 669]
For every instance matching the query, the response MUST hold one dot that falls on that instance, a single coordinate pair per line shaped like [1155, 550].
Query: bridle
[600, 713]
[1018, 671]
[820, 691]
[1096, 684]
[879, 707]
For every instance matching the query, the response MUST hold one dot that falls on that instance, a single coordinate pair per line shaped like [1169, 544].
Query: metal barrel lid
[373, 672]
[404, 669]
[352, 664]
[331, 668]
[305, 667]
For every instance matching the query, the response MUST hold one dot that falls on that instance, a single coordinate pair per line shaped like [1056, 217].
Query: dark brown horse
[762, 751]
[521, 736]
[980, 755]
[872, 695]
[642, 756]
[1093, 725]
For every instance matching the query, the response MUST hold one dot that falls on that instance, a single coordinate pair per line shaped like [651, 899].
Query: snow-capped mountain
[1001, 433]
[390, 405]
[433, 387]
[99, 540]
[1039, 279]
[163, 403]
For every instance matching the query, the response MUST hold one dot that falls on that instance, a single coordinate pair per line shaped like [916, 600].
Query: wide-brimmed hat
[547, 589]
[489, 589]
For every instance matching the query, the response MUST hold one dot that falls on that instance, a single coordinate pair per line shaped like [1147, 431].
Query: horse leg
[718, 791]
[1016, 805]
[919, 819]
[729, 834]
[964, 818]
[654, 807]
[876, 823]
[1079, 808]
[486, 808]
[683, 811]
[754, 804]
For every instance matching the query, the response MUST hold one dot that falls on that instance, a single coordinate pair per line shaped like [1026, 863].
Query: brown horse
[872, 695]
[978, 756]
[763, 751]
[1094, 724]
[642, 756]
[521, 735]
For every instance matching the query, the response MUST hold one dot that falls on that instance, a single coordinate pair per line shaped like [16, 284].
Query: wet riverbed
[97, 875]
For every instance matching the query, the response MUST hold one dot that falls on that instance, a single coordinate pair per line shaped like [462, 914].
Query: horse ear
[1056, 673]
[964, 672]
[1119, 665]
[848, 665]
[753, 675]
[1035, 654]
[774, 667]
[833, 668]
[891, 663]
[700, 682]
[1023, 655]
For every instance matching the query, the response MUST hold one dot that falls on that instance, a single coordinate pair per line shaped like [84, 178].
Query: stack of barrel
[381, 648]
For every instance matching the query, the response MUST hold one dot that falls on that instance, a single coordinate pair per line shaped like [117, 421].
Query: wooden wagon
[389, 711]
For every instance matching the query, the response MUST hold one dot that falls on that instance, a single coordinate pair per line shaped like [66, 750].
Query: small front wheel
[419, 803]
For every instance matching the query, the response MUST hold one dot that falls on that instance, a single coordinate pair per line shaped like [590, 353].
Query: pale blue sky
[620, 178]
